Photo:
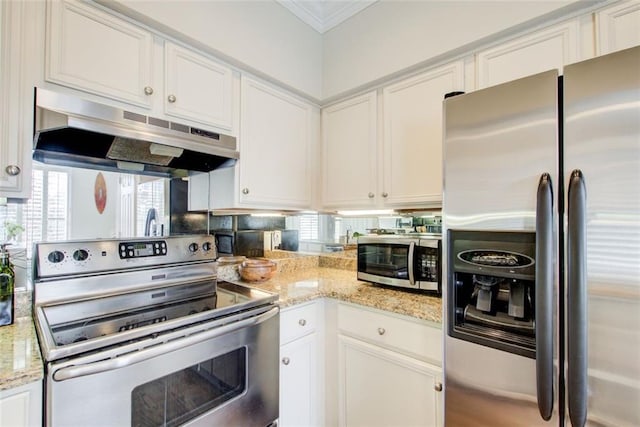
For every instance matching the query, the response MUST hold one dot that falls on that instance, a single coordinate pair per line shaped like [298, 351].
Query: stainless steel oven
[141, 333]
[402, 260]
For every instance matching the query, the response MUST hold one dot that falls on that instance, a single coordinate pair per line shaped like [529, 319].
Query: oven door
[226, 375]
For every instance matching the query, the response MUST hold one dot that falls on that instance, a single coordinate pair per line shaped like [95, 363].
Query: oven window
[382, 259]
[183, 395]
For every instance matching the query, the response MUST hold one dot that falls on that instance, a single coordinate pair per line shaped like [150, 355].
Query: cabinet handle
[148, 90]
[12, 170]
[302, 322]
[285, 361]
[245, 191]
[171, 98]
[381, 331]
[437, 387]
[385, 194]
[371, 195]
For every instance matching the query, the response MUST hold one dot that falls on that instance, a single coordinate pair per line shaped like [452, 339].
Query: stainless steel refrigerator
[541, 249]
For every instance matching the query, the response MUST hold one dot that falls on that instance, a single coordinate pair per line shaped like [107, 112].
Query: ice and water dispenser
[491, 289]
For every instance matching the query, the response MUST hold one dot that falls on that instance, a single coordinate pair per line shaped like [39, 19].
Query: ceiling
[322, 15]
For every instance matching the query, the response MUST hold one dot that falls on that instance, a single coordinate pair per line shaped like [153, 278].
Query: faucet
[151, 217]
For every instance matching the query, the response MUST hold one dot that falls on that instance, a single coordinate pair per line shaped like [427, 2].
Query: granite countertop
[20, 361]
[299, 278]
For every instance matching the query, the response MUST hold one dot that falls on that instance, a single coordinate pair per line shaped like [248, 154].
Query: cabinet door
[275, 148]
[94, 51]
[22, 406]
[379, 387]
[349, 147]
[412, 147]
[198, 88]
[299, 382]
[618, 27]
[543, 50]
[16, 105]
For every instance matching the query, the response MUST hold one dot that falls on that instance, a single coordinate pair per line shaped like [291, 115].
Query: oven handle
[160, 349]
[412, 248]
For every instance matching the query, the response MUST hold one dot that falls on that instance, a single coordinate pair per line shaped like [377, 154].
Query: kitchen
[364, 99]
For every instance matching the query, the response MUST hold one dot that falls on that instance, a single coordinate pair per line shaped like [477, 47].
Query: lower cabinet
[21, 406]
[389, 369]
[301, 400]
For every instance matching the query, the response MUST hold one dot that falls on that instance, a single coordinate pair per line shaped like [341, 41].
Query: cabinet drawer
[405, 335]
[298, 321]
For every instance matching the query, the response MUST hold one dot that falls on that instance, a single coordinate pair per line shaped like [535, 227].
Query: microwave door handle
[410, 263]
[544, 296]
[76, 371]
[577, 300]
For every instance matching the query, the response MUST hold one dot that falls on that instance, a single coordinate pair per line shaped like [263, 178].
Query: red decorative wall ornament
[100, 192]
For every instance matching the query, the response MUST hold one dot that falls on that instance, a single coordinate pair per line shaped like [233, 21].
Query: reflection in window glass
[176, 398]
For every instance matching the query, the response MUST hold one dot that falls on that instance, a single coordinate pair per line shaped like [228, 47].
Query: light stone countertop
[20, 361]
[299, 279]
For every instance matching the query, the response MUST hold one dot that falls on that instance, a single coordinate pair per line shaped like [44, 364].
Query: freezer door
[498, 144]
[602, 145]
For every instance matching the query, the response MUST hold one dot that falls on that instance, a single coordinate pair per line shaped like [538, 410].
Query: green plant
[12, 230]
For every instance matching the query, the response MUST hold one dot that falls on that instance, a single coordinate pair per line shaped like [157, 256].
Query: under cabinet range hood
[71, 131]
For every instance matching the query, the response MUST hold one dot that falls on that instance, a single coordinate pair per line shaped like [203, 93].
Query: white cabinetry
[197, 88]
[618, 27]
[350, 154]
[16, 98]
[552, 47]
[21, 406]
[412, 144]
[277, 136]
[301, 401]
[93, 51]
[389, 369]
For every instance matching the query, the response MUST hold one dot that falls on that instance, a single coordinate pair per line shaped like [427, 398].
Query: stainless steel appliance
[542, 249]
[139, 332]
[122, 140]
[402, 260]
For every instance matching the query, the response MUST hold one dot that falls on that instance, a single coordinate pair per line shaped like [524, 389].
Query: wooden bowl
[257, 269]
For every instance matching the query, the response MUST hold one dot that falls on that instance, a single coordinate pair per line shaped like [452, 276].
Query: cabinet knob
[12, 170]
[285, 361]
[302, 322]
[148, 90]
[245, 191]
[437, 387]
[381, 331]
[385, 194]
[171, 98]
[371, 195]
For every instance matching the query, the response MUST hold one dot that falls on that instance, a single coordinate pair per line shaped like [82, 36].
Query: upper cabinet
[552, 47]
[277, 138]
[197, 88]
[96, 52]
[16, 109]
[402, 166]
[412, 142]
[618, 27]
[349, 147]
[93, 51]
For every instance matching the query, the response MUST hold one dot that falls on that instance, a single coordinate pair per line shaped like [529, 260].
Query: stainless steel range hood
[72, 131]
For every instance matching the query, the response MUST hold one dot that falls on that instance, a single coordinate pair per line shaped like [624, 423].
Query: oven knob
[206, 246]
[80, 255]
[193, 247]
[55, 257]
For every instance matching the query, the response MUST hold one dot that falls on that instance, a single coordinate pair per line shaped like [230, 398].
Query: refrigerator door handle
[544, 296]
[577, 300]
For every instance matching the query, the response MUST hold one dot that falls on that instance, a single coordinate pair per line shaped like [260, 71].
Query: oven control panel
[97, 256]
[143, 249]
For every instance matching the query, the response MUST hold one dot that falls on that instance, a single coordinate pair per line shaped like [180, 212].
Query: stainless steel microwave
[399, 260]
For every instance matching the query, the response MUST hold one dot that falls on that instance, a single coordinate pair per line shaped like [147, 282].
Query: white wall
[260, 35]
[392, 35]
[86, 222]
